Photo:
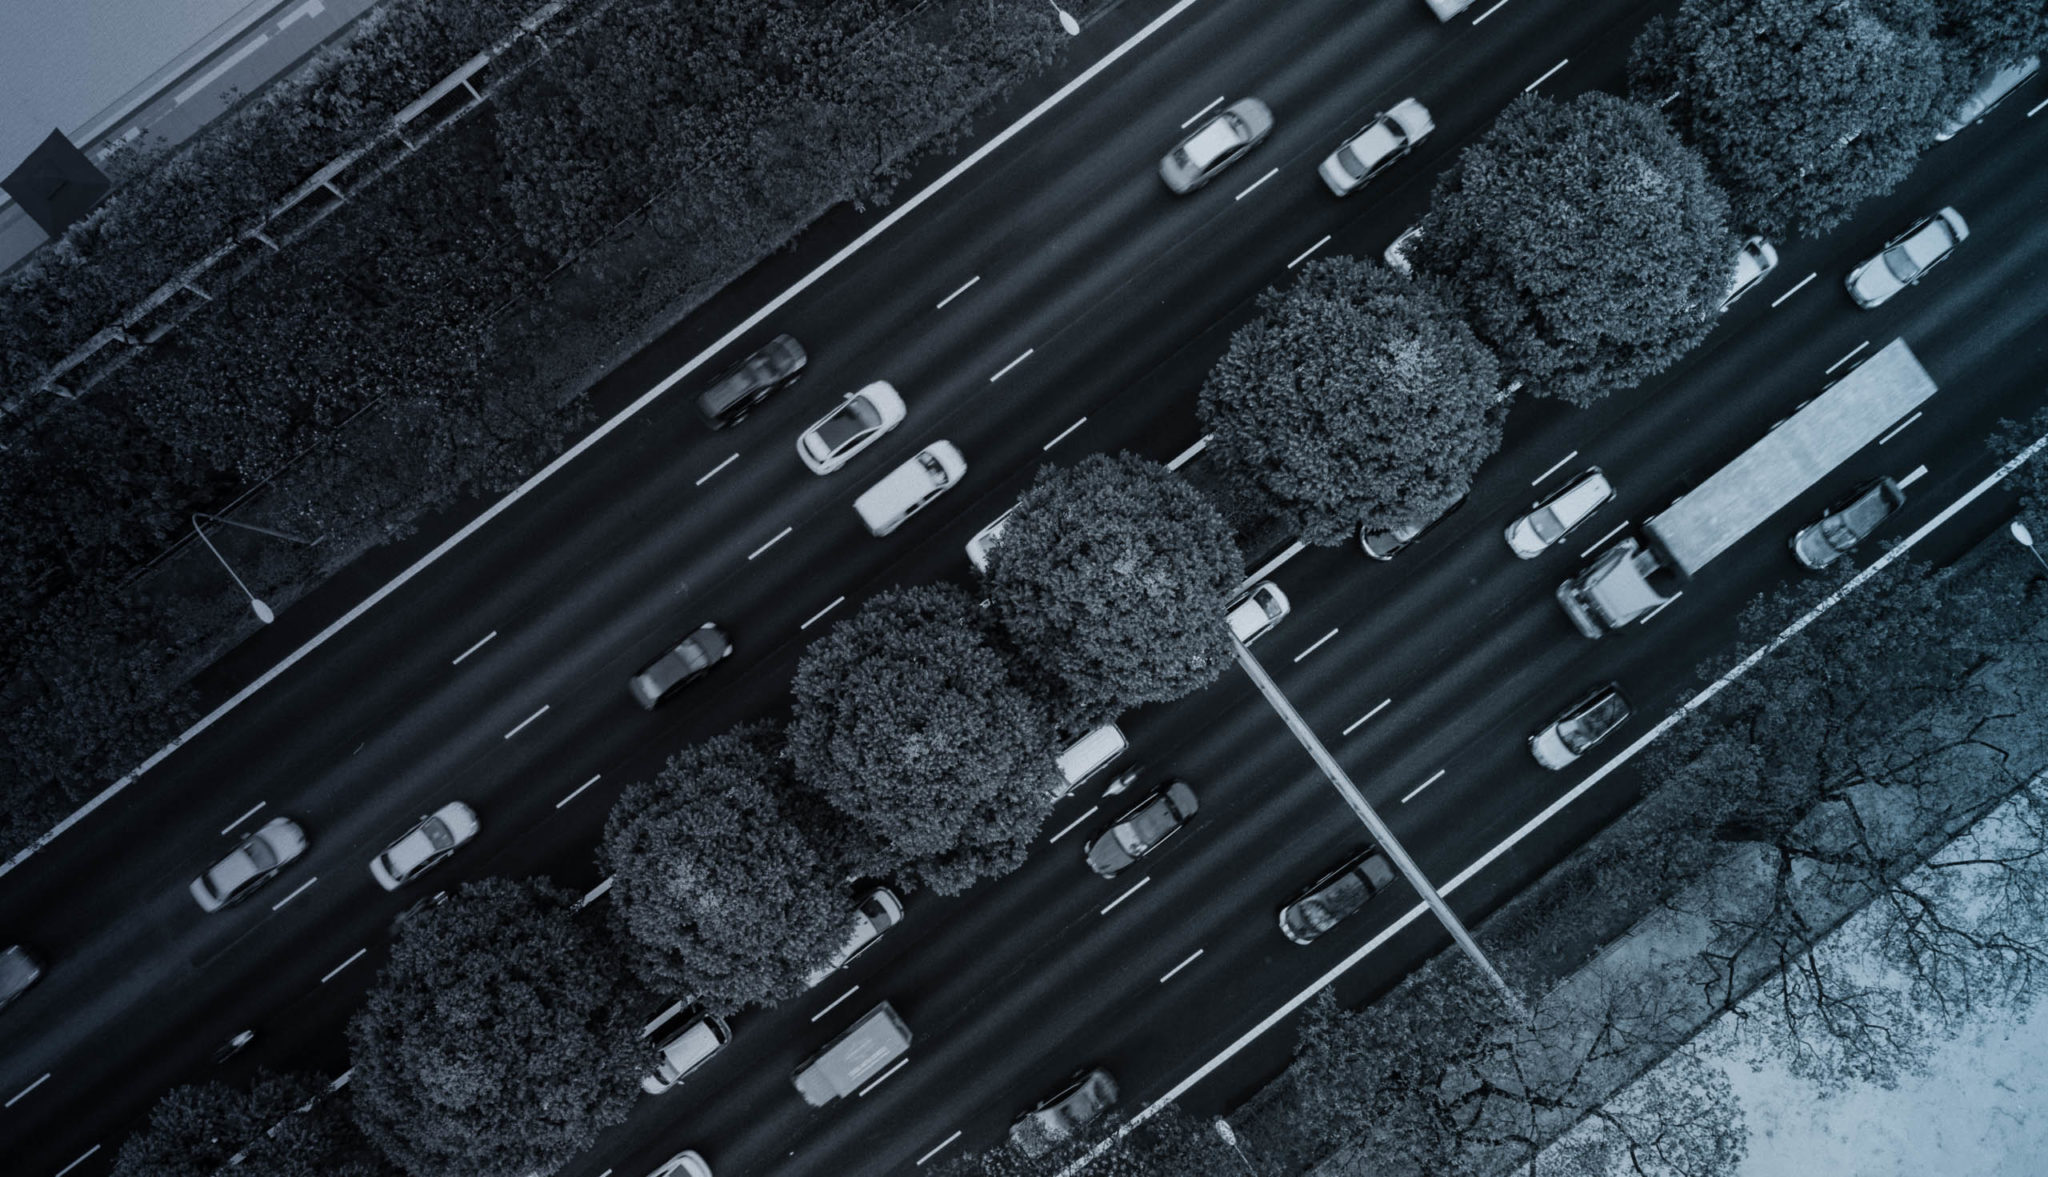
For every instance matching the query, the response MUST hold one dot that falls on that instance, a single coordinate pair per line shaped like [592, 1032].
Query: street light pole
[256, 606]
[1223, 1129]
[1067, 20]
[2026, 538]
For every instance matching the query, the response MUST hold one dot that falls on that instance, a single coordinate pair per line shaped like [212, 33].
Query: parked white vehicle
[1257, 611]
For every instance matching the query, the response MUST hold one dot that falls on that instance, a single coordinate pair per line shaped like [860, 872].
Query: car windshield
[846, 425]
[1547, 526]
[437, 834]
[1344, 894]
[1213, 142]
[1596, 721]
[1143, 829]
[933, 467]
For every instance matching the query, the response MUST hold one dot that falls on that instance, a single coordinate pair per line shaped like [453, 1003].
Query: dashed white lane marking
[473, 649]
[529, 719]
[1546, 75]
[1489, 12]
[1845, 359]
[24, 1091]
[835, 1001]
[1000, 372]
[1190, 960]
[1311, 249]
[1895, 430]
[1256, 183]
[1554, 469]
[296, 891]
[1793, 291]
[1919, 472]
[1069, 827]
[81, 1160]
[957, 293]
[353, 958]
[1439, 775]
[1603, 539]
[1126, 895]
[1063, 435]
[771, 543]
[1668, 602]
[820, 613]
[245, 817]
[1313, 646]
[2035, 109]
[1205, 110]
[941, 1145]
[575, 792]
[1368, 715]
[877, 1081]
[706, 477]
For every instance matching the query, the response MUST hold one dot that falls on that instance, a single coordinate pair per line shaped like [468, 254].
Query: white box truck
[861, 1052]
[1762, 480]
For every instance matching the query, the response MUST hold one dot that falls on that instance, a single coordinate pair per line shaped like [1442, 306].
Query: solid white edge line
[591, 896]
[1556, 807]
[578, 790]
[1546, 75]
[1311, 249]
[353, 958]
[1069, 827]
[1367, 715]
[1181, 459]
[835, 1003]
[706, 477]
[820, 613]
[1063, 435]
[1190, 960]
[1257, 182]
[771, 543]
[877, 1080]
[1538, 480]
[529, 719]
[1265, 570]
[296, 892]
[605, 430]
[229, 828]
[24, 1091]
[1315, 645]
[957, 293]
[1205, 110]
[1126, 895]
[1793, 291]
[1895, 430]
[936, 1148]
[1424, 785]
[1845, 359]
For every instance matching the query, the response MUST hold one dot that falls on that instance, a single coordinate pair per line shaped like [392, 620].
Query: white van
[1089, 755]
[904, 491]
[861, 1052]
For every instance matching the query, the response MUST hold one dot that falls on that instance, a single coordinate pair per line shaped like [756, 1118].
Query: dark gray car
[1336, 895]
[18, 971]
[746, 384]
[1058, 1118]
[680, 666]
[1382, 545]
[1849, 523]
[1155, 819]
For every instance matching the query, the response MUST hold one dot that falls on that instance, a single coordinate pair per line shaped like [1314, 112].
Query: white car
[1216, 144]
[904, 491]
[1583, 724]
[1089, 755]
[1257, 611]
[857, 423]
[1754, 261]
[250, 865]
[689, 1047]
[438, 835]
[1556, 517]
[1446, 9]
[879, 911]
[1907, 257]
[1390, 135]
[684, 1164]
[1397, 251]
[978, 547]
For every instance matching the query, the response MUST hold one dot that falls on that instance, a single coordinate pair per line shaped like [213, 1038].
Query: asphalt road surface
[1117, 297]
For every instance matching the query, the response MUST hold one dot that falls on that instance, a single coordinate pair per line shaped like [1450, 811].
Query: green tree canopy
[909, 723]
[724, 885]
[1587, 243]
[1803, 108]
[1356, 396]
[499, 1038]
[1112, 578]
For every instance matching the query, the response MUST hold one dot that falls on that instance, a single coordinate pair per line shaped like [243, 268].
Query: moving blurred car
[1993, 87]
[1559, 515]
[1341, 893]
[878, 911]
[904, 491]
[1382, 545]
[1390, 135]
[250, 865]
[1907, 258]
[684, 1164]
[423, 847]
[857, 423]
[1257, 611]
[1154, 820]
[18, 970]
[1446, 9]
[1219, 142]
[1059, 1117]
[746, 384]
[1583, 724]
[1847, 523]
[1754, 261]
[682, 665]
[688, 1047]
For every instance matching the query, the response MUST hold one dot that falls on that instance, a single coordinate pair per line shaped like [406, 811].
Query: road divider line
[1190, 960]
[24, 1091]
[1126, 895]
[835, 1002]
[957, 293]
[1489, 12]
[578, 790]
[1311, 249]
[1315, 645]
[937, 1148]
[1256, 183]
[1666, 604]
[1205, 110]
[279, 905]
[353, 958]
[1000, 372]
[1845, 359]
[1068, 828]
[80, 1161]
[1789, 293]
[2036, 108]
[610, 424]
[229, 828]
[1182, 458]
[473, 649]
[822, 612]
[529, 719]
[877, 1081]
[1603, 539]
[1546, 75]
[1558, 806]
[1560, 462]
[1424, 785]
[771, 543]
[594, 894]
[1294, 549]
[1899, 428]
[706, 476]
[1368, 715]
[1919, 472]
[1063, 435]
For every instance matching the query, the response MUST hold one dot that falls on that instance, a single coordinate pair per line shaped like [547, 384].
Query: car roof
[1215, 140]
[1376, 142]
[1929, 242]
